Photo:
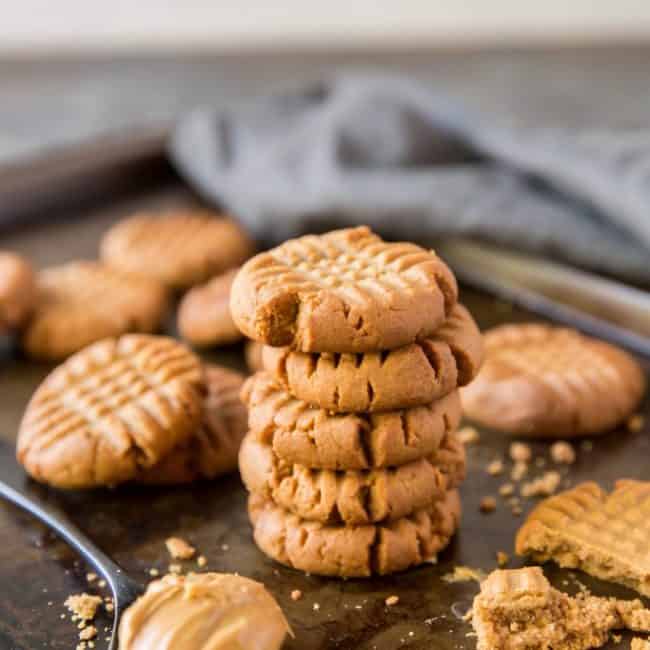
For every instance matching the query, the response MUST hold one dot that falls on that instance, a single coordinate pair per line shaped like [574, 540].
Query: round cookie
[351, 497]
[17, 291]
[203, 611]
[212, 449]
[346, 291]
[83, 302]
[414, 375]
[111, 410]
[180, 249]
[253, 354]
[354, 551]
[204, 313]
[539, 380]
[352, 441]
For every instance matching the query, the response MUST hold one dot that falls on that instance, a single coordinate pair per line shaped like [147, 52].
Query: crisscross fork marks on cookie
[346, 291]
[603, 534]
[130, 399]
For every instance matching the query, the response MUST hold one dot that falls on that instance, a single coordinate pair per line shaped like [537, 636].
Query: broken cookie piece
[605, 535]
[519, 609]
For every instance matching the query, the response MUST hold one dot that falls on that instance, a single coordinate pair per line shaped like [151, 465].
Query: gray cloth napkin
[392, 154]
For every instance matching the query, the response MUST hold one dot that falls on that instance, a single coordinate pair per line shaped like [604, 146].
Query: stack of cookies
[351, 459]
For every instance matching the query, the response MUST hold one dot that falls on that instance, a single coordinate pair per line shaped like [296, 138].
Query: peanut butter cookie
[354, 551]
[605, 535]
[180, 249]
[111, 410]
[351, 497]
[346, 291]
[540, 380]
[519, 609]
[204, 313]
[414, 375]
[83, 302]
[212, 449]
[204, 611]
[300, 433]
[17, 291]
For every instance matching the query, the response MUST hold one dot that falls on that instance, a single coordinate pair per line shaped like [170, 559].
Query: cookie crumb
[468, 435]
[464, 574]
[316, 607]
[519, 470]
[507, 489]
[545, 485]
[154, 573]
[502, 558]
[520, 452]
[488, 504]
[563, 453]
[495, 468]
[391, 600]
[296, 594]
[83, 606]
[101, 584]
[91, 577]
[201, 561]
[176, 569]
[88, 633]
[179, 549]
[635, 423]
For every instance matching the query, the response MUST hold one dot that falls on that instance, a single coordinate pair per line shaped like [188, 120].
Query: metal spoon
[18, 489]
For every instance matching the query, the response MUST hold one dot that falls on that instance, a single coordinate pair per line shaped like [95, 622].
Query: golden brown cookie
[204, 313]
[180, 249]
[316, 438]
[519, 609]
[111, 410]
[540, 380]
[605, 535]
[204, 611]
[212, 449]
[414, 375]
[350, 497]
[83, 302]
[353, 551]
[346, 291]
[253, 354]
[17, 291]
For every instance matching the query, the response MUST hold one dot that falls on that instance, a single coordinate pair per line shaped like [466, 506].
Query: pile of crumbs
[84, 609]
[179, 549]
[464, 574]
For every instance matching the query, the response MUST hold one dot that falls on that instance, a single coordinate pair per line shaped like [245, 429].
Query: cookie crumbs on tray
[635, 423]
[296, 594]
[176, 569]
[391, 601]
[464, 574]
[201, 561]
[507, 489]
[520, 452]
[101, 584]
[179, 549]
[502, 558]
[488, 504]
[519, 470]
[545, 485]
[154, 573]
[83, 606]
[468, 435]
[88, 633]
[91, 577]
[563, 453]
[495, 468]
[316, 607]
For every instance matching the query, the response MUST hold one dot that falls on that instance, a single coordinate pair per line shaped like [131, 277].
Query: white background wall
[59, 25]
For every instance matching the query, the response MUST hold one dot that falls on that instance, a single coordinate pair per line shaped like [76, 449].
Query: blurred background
[73, 69]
